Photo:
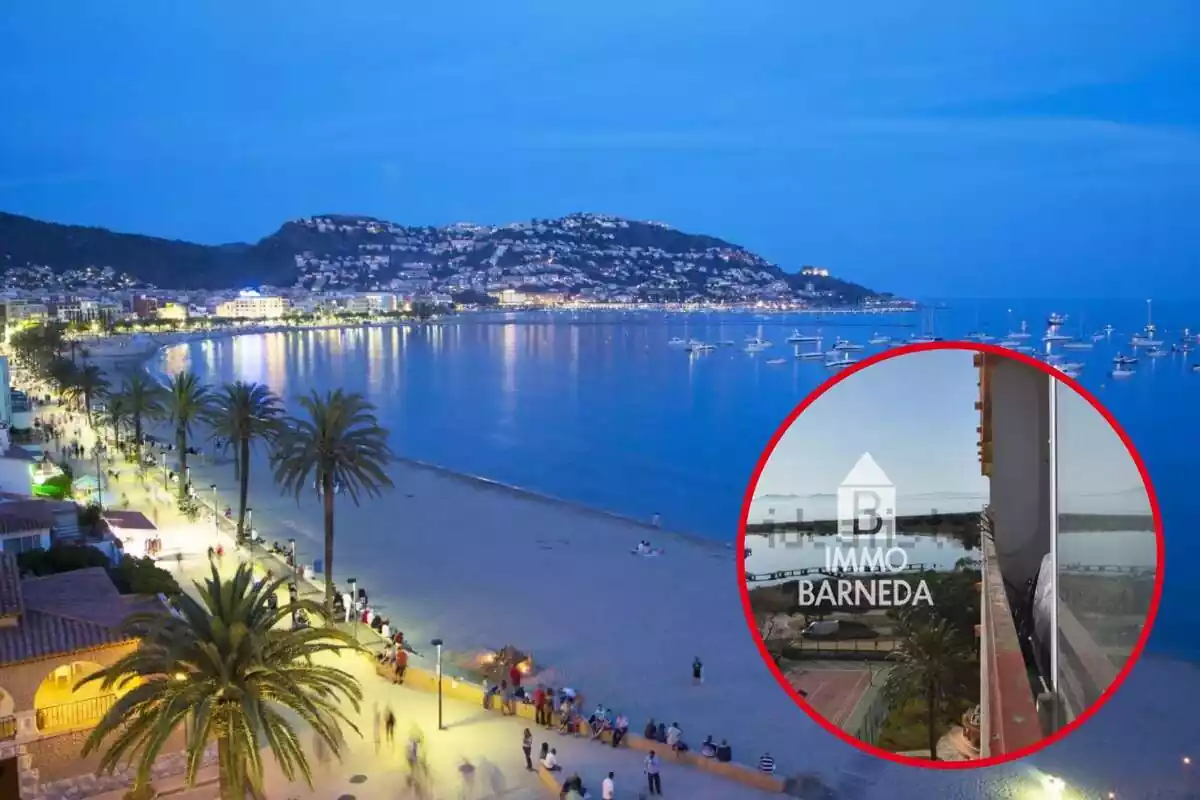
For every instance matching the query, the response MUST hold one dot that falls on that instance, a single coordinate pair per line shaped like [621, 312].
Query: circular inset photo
[951, 555]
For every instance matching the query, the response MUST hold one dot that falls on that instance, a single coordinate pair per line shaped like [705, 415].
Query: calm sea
[599, 409]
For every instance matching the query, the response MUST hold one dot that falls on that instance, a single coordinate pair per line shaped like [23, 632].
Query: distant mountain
[596, 254]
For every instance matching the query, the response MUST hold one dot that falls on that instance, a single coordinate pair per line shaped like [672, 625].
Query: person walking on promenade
[389, 726]
[527, 749]
[376, 723]
[697, 671]
[653, 779]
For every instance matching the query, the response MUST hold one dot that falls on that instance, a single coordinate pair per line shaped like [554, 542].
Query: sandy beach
[481, 565]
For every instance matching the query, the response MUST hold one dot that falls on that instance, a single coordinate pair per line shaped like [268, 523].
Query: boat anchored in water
[1124, 361]
[843, 344]
[877, 338]
[756, 345]
[844, 360]
[1121, 372]
[775, 361]
[675, 341]
[1055, 320]
[800, 338]
[1149, 335]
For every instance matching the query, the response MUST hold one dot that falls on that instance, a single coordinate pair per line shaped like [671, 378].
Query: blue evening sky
[933, 147]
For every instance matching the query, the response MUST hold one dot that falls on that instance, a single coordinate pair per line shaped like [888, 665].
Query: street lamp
[216, 513]
[438, 644]
[352, 608]
[187, 473]
[99, 477]
[292, 547]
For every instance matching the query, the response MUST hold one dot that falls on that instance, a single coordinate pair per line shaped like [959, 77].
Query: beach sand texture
[482, 566]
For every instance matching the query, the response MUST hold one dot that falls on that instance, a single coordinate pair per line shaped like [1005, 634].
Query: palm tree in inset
[88, 386]
[144, 400]
[228, 667]
[245, 413]
[932, 665]
[188, 402]
[337, 446]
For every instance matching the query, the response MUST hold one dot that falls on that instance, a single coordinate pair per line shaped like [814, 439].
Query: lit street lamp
[216, 513]
[352, 610]
[438, 644]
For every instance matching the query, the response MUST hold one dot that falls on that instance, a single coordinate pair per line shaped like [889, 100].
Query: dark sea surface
[597, 408]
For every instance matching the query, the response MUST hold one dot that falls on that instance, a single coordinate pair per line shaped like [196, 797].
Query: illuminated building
[252, 305]
[172, 312]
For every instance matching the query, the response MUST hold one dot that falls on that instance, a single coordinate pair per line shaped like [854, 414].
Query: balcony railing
[71, 716]
[1009, 717]
[8, 728]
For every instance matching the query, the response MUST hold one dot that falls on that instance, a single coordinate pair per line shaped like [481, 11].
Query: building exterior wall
[1021, 485]
[252, 308]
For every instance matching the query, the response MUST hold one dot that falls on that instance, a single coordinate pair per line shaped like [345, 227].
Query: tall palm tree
[933, 666]
[226, 669]
[116, 415]
[188, 402]
[89, 385]
[144, 401]
[245, 413]
[62, 373]
[338, 446]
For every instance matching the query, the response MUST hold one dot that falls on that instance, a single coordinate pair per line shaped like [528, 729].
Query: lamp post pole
[295, 579]
[250, 535]
[99, 475]
[353, 609]
[438, 644]
[216, 514]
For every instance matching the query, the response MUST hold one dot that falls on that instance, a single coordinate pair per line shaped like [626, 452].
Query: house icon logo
[866, 501]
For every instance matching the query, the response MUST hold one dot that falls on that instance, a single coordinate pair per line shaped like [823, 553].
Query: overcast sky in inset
[915, 414]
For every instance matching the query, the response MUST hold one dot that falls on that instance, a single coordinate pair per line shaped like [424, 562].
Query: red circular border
[977, 347]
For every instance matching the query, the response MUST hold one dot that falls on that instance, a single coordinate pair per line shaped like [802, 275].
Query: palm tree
[88, 385]
[338, 447]
[116, 414]
[188, 401]
[144, 401]
[933, 666]
[246, 413]
[62, 373]
[225, 668]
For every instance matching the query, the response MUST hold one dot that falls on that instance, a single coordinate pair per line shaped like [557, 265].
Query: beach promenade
[481, 566]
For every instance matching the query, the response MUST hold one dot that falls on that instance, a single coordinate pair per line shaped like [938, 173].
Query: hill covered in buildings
[588, 255]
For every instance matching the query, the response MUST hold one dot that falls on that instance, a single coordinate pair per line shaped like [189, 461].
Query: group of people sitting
[672, 737]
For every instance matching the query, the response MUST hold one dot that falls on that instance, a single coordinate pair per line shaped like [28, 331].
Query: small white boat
[1109, 329]
[1024, 348]
[1156, 352]
[1051, 338]
[842, 344]
[879, 339]
[812, 355]
[726, 343]
[1054, 320]
[797, 337]
[676, 342]
[1195, 367]
[1069, 366]
[839, 363]
[1099, 337]
[700, 347]
[1121, 373]
[756, 345]
[774, 361]
[1021, 334]
[1077, 346]
[921, 339]
[1122, 361]
[980, 336]
[1070, 373]
[1011, 344]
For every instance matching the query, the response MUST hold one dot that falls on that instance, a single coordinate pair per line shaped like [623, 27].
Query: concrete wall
[1020, 479]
